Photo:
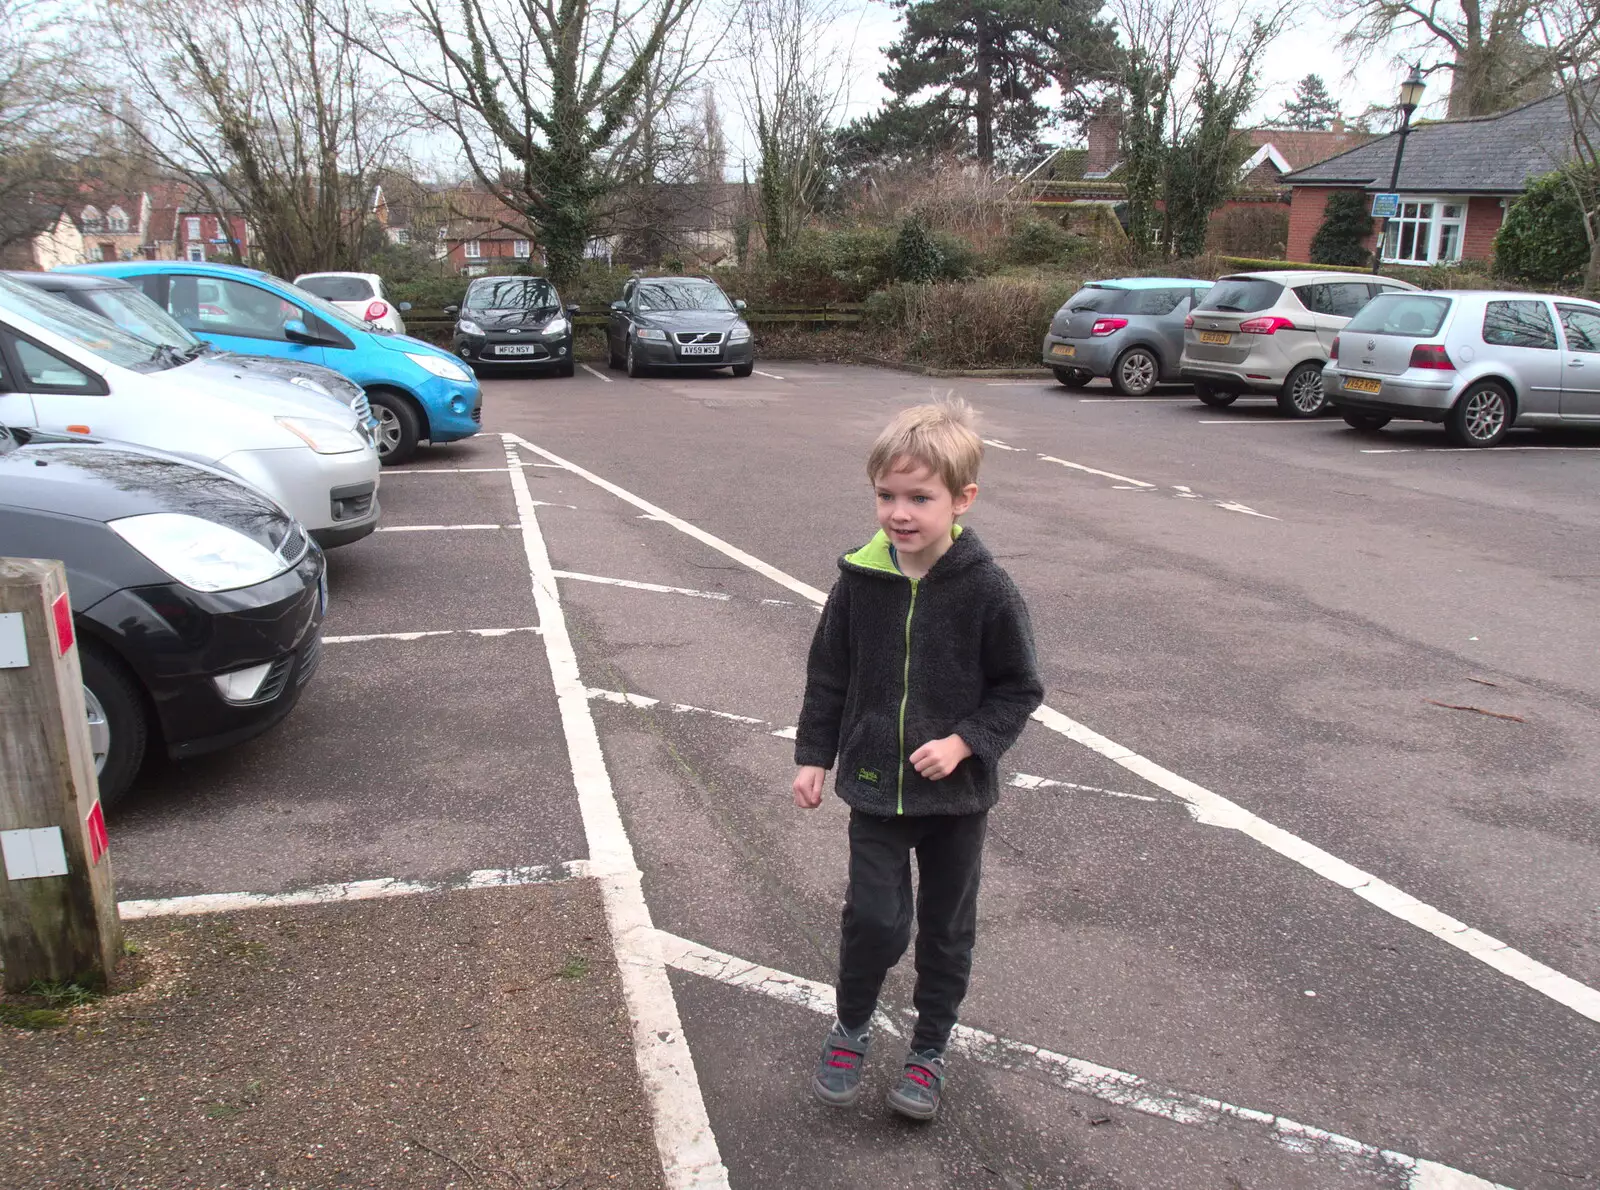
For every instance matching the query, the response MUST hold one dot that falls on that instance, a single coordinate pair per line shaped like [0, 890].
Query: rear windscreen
[1414, 315]
[1098, 299]
[338, 289]
[1242, 295]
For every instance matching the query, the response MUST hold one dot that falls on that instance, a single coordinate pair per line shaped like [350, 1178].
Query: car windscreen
[506, 295]
[1097, 299]
[681, 295]
[1241, 295]
[325, 308]
[76, 325]
[338, 289]
[1412, 315]
[135, 313]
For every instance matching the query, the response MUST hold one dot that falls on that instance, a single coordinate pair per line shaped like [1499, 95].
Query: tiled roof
[1302, 148]
[1487, 155]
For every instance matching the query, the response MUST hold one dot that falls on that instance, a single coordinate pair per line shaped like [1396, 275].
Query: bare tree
[535, 92]
[793, 78]
[1499, 52]
[1580, 85]
[262, 107]
[35, 177]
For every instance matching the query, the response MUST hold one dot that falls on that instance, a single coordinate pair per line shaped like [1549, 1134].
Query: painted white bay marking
[409, 636]
[594, 372]
[351, 890]
[1083, 1077]
[1029, 781]
[436, 528]
[1135, 483]
[393, 473]
[998, 445]
[1221, 812]
[638, 586]
[1235, 506]
[768, 375]
[690, 1159]
[644, 702]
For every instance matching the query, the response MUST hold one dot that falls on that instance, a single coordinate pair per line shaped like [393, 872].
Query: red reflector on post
[1431, 357]
[95, 827]
[61, 610]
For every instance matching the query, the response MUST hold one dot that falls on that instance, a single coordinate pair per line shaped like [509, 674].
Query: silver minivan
[1480, 362]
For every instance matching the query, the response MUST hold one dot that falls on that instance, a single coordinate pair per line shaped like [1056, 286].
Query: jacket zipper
[905, 695]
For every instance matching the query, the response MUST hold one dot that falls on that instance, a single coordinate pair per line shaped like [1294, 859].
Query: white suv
[1272, 333]
[360, 294]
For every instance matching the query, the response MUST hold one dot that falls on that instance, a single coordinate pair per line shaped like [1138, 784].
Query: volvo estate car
[1130, 329]
[1478, 362]
[678, 322]
[1270, 333]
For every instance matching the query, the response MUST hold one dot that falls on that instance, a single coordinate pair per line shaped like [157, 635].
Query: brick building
[1457, 177]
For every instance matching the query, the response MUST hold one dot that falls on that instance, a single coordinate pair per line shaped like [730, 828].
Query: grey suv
[1130, 329]
[1271, 333]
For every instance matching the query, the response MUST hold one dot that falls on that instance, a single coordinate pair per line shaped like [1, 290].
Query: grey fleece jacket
[897, 662]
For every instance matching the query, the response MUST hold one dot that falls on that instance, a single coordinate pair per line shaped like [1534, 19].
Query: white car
[66, 370]
[360, 294]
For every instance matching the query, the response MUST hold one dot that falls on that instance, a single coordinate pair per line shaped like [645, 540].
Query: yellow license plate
[1357, 384]
[1215, 337]
[1064, 349]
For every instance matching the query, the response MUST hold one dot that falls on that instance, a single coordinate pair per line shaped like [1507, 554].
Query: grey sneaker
[838, 1078]
[917, 1093]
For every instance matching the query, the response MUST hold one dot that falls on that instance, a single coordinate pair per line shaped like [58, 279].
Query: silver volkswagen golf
[1479, 362]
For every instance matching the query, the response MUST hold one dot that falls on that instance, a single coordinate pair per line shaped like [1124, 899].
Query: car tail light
[1108, 326]
[1188, 322]
[376, 311]
[1431, 357]
[1333, 352]
[1269, 325]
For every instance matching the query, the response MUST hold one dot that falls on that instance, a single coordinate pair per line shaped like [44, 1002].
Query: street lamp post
[1410, 97]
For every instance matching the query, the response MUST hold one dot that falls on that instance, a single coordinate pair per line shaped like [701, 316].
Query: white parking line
[768, 375]
[637, 586]
[409, 636]
[998, 445]
[1133, 483]
[644, 702]
[690, 1159]
[593, 372]
[1082, 1077]
[1214, 809]
[1261, 421]
[1029, 781]
[393, 473]
[436, 528]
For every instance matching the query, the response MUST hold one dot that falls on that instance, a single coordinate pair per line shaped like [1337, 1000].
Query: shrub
[1346, 226]
[917, 256]
[829, 266]
[992, 322]
[1542, 240]
[1037, 241]
[1259, 229]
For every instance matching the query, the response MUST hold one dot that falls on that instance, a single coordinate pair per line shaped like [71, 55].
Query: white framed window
[117, 219]
[90, 217]
[519, 249]
[402, 236]
[197, 251]
[1426, 231]
[473, 250]
[191, 228]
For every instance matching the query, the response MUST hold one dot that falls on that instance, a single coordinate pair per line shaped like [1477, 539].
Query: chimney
[1338, 124]
[1105, 141]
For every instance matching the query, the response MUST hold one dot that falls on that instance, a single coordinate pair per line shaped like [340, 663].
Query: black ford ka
[513, 322]
[197, 602]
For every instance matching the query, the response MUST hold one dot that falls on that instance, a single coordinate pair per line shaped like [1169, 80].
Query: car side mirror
[619, 305]
[738, 304]
[574, 308]
[403, 307]
[296, 331]
[451, 310]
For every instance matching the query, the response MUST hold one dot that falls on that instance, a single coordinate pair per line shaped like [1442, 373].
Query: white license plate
[522, 349]
[700, 349]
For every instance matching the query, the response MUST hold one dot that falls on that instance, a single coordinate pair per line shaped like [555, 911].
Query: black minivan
[197, 601]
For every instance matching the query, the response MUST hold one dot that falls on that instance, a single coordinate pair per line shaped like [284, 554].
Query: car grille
[309, 657]
[277, 679]
[294, 545]
[698, 336]
[477, 414]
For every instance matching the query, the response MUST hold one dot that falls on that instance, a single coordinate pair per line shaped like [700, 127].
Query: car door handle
[1574, 363]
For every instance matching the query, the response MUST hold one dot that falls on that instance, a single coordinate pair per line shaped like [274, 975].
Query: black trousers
[876, 925]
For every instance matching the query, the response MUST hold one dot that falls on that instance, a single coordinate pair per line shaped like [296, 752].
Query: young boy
[921, 676]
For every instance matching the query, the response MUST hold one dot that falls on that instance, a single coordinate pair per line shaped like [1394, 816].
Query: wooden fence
[430, 324]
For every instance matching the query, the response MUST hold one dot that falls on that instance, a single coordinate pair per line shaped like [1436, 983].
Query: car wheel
[1367, 423]
[118, 732]
[1480, 417]
[398, 427]
[635, 368]
[1073, 377]
[567, 368]
[613, 360]
[1302, 395]
[1135, 373]
[742, 370]
[1213, 396]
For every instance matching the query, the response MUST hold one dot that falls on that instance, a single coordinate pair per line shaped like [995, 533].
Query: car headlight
[557, 326]
[739, 334]
[650, 332]
[324, 437]
[200, 554]
[307, 382]
[439, 366]
[468, 327]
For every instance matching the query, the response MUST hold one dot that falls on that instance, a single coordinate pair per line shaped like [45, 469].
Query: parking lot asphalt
[1247, 628]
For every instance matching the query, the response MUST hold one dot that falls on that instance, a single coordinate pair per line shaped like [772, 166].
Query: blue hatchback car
[418, 391]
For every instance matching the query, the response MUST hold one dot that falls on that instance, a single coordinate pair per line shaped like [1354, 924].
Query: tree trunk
[1591, 274]
[984, 97]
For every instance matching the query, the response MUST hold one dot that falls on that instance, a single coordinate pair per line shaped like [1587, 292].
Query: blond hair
[940, 437]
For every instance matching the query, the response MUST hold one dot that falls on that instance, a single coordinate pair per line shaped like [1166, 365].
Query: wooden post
[58, 916]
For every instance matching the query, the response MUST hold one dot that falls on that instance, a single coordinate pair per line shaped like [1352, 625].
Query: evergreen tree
[1346, 227]
[1311, 110]
[981, 65]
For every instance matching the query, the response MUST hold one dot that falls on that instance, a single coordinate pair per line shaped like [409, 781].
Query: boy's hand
[937, 759]
[808, 786]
